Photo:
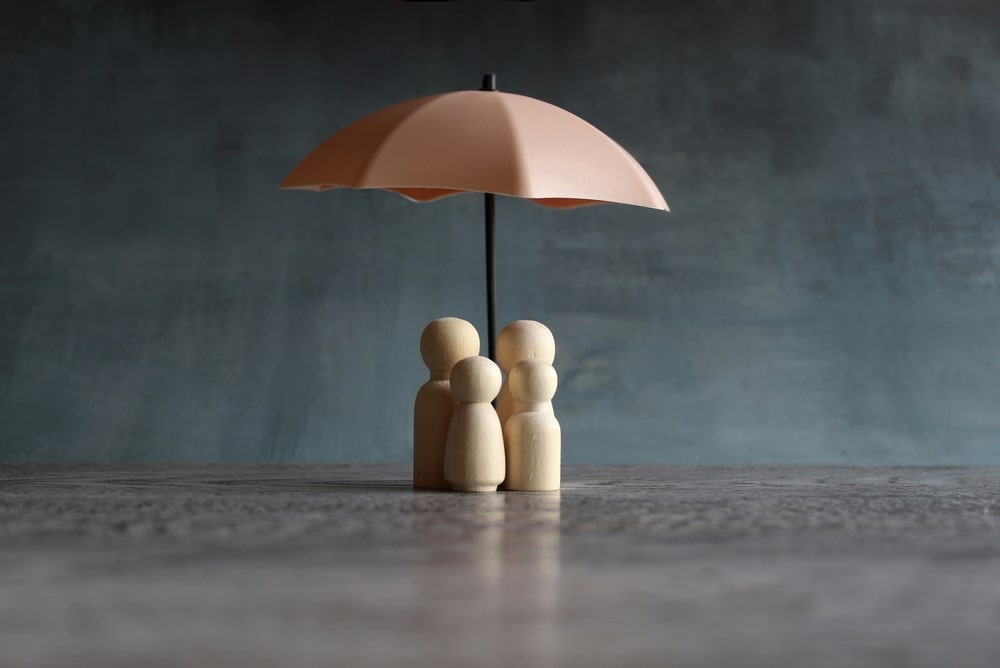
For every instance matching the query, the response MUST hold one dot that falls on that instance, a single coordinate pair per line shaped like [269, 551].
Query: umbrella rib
[521, 182]
[365, 166]
[650, 185]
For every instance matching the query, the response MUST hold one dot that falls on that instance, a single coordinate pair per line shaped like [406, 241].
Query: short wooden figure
[444, 342]
[532, 434]
[518, 341]
[474, 458]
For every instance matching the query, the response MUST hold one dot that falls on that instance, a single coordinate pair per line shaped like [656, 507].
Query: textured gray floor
[347, 566]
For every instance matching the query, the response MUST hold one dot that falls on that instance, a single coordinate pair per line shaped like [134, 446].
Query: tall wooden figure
[532, 435]
[474, 455]
[444, 342]
[518, 341]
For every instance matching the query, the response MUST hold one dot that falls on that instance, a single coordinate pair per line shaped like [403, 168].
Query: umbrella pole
[490, 84]
[491, 297]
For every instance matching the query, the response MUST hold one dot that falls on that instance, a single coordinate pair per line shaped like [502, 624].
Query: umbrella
[481, 141]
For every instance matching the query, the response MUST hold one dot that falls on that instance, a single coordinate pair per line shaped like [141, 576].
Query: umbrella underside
[434, 194]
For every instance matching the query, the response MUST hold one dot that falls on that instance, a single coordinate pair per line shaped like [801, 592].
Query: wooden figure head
[524, 340]
[533, 381]
[475, 379]
[444, 342]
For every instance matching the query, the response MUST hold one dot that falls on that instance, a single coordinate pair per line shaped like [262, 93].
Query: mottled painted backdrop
[825, 290]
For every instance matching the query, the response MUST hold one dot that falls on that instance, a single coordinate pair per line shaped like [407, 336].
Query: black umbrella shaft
[491, 297]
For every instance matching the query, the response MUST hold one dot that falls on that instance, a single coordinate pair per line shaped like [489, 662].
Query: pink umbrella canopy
[481, 141]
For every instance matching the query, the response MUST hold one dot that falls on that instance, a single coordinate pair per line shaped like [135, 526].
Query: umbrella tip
[489, 81]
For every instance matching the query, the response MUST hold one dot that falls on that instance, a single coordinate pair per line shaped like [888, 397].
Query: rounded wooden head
[445, 341]
[532, 381]
[525, 340]
[475, 379]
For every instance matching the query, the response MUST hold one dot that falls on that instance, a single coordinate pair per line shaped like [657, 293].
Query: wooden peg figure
[532, 435]
[474, 458]
[444, 342]
[521, 340]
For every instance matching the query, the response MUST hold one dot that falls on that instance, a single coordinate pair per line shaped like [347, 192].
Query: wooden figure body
[474, 458]
[532, 436]
[443, 343]
[521, 340]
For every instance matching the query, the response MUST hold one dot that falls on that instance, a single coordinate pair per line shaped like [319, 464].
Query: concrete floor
[347, 566]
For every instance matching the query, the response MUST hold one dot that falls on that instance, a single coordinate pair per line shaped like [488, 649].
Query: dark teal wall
[825, 290]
